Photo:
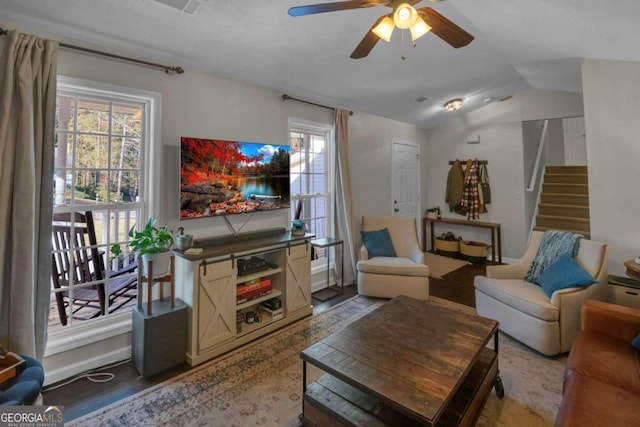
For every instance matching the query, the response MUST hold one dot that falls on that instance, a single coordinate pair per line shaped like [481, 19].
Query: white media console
[208, 284]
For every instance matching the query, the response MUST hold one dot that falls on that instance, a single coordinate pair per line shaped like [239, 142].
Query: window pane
[65, 110]
[317, 144]
[125, 153]
[124, 187]
[93, 116]
[92, 151]
[63, 160]
[127, 120]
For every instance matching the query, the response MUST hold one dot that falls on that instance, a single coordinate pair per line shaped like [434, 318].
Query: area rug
[260, 384]
[441, 265]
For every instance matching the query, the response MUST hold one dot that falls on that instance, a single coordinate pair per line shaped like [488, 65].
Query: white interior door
[405, 177]
[575, 141]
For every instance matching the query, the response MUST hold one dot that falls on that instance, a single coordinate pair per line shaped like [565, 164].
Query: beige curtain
[343, 200]
[27, 126]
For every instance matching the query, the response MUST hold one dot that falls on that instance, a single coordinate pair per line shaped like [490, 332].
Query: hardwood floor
[82, 396]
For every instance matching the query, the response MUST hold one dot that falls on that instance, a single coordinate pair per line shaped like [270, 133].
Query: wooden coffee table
[409, 362]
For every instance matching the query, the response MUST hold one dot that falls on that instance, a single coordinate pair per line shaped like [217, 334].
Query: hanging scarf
[470, 194]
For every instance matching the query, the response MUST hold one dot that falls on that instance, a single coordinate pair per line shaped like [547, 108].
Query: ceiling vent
[186, 6]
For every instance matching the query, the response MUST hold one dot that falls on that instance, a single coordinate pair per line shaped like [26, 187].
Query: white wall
[612, 119]
[370, 157]
[501, 144]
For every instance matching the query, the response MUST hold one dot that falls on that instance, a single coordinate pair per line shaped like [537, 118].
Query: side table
[633, 269]
[330, 291]
[624, 291]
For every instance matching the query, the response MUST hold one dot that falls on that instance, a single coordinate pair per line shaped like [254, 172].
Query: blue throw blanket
[554, 244]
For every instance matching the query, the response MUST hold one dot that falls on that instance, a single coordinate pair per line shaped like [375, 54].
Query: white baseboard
[70, 370]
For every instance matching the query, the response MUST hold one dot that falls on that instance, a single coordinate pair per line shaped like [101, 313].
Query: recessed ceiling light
[453, 105]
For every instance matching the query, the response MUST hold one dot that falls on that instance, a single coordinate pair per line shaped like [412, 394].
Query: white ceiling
[519, 44]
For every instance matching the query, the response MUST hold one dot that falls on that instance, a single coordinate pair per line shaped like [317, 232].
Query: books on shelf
[250, 290]
[252, 285]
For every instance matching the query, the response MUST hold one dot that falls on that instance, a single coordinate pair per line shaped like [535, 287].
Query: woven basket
[447, 245]
[474, 249]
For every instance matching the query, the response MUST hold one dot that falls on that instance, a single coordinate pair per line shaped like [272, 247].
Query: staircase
[564, 202]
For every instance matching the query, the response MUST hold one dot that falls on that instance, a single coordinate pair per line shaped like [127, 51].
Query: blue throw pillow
[635, 343]
[562, 274]
[378, 243]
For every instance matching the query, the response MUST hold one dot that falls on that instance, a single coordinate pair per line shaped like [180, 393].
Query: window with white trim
[102, 166]
[311, 178]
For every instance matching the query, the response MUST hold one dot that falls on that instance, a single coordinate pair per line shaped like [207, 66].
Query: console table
[496, 238]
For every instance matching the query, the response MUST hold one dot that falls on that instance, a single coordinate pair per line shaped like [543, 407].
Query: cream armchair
[525, 312]
[388, 277]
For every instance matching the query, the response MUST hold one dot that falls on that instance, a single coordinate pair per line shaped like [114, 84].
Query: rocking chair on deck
[86, 263]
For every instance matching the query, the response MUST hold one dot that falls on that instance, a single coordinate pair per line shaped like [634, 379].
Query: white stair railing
[534, 183]
[537, 208]
[536, 166]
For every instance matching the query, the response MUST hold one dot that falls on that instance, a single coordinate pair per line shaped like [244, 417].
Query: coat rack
[480, 162]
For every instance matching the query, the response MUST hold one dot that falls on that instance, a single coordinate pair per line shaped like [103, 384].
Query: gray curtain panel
[344, 205]
[27, 125]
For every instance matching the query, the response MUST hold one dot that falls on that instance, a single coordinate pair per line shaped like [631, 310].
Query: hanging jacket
[455, 185]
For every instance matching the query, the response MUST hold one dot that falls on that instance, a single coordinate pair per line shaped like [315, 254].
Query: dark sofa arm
[611, 319]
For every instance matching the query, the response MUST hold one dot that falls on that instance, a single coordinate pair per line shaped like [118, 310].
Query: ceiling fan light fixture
[453, 105]
[405, 16]
[384, 29]
[419, 29]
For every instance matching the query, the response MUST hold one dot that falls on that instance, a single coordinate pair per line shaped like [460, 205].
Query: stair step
[563, 223]
[566, 178]
[565, 199]
[565, 188]
[586, 234]
[564, 210]
[566, 169]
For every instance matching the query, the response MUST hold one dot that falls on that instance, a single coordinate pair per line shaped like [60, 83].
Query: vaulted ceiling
[519, 44]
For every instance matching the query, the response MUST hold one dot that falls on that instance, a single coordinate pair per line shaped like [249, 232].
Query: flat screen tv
[232, 177]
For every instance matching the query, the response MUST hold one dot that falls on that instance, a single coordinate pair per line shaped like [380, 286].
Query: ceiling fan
[403, 16]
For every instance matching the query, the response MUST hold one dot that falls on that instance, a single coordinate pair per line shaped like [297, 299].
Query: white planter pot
[161, 264]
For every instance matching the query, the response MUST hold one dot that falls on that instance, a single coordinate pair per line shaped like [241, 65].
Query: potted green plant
[151, 244]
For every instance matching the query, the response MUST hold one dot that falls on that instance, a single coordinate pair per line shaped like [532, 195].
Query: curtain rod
[167, 69]
[286, 97]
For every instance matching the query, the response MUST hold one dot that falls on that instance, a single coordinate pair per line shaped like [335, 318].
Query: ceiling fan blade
[333, 7]
[367, 43]
[445, 29]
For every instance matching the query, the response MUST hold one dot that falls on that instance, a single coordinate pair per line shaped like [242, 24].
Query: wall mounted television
[231, 177]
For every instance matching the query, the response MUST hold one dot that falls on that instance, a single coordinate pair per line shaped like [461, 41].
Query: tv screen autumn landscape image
[231, 177]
